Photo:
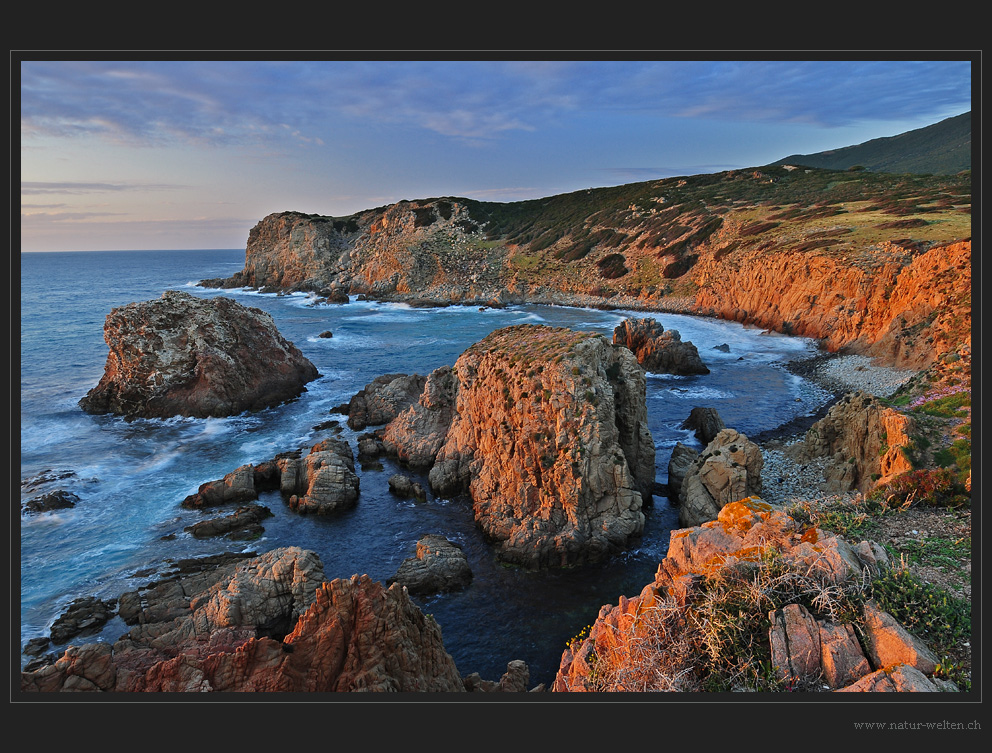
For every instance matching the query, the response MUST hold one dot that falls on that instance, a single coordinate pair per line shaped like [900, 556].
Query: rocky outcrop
[546, 430]
[186, 356]
[243, 524]
[383, 399]
[867, 443]
[417, 434]
[59, 499]
[727, 470]
[662, 639]
[438, 566]
[705, 422]
[323, 481]
[657, 349]
[679, 464]
[269, 623]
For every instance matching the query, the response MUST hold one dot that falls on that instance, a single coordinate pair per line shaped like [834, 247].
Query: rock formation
[439, 565]
[267, 623]
[866, 441]
[186, 356]
[658, 639]
[546, 430]
[323, 481]
[727, 470]
[657, 349]
[705, 422]
[382, 399]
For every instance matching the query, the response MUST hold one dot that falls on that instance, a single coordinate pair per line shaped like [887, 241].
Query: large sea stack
[546, 429]
[181, 355]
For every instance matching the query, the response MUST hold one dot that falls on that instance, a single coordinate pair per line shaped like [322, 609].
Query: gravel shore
[783, 480]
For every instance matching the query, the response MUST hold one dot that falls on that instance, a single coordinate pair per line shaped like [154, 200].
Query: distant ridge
[940, 149]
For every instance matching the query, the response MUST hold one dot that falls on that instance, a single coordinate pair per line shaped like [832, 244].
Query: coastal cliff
[878, 265]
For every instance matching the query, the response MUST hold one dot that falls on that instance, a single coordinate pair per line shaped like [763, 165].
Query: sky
[135, 154]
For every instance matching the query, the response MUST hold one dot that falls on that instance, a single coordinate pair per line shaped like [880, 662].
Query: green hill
[940, 149]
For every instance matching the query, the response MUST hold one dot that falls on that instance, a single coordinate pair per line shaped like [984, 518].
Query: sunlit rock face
[866, 442]
[546, 429]
[186, 356]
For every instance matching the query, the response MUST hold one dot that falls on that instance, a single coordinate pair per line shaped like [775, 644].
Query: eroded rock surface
[439, 565]
[865, 440]
[657, 349]
[267, 623]
[727, 470]
[181, 355]
[546, 429]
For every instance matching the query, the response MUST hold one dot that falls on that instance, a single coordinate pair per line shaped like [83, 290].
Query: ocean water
[131, 477]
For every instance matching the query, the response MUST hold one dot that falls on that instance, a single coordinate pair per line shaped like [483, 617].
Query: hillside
[864, 261]
[940, 149]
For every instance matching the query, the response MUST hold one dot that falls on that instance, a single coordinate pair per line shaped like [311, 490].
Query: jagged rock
[383, 398]
[404, 486]
[549, 437]
[723, 348]
[705, 422]
[657, 349]
[324, 481]
[55, 500]
[865, 440]
[186, 356]
[83, 616]
[439, 565]
[652, 641]
[728, 469]
[270, 623]
[417, 434]
[514, 680]
[679, 464]
[244, 523]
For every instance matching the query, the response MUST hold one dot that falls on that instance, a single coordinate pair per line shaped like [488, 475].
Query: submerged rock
[182, 355]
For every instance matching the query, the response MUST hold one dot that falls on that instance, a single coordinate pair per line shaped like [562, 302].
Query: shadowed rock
[438, 566]
[657, 349]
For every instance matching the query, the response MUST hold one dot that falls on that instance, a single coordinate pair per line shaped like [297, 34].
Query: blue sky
[177, 154]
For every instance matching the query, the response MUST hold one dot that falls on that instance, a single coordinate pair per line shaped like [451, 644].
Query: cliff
[876, 263]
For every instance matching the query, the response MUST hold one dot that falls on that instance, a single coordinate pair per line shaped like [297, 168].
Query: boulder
[182, 355]
[243, 524]
[236, 487]
[439, 565]
[322, 482]
[728, 469]
[657, 349]
[59, 499]
[404, 486]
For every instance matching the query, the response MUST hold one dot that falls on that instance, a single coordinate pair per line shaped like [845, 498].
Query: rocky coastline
[545, 431]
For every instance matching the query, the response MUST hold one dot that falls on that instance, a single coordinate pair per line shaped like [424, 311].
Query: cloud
[36, 188]
[229, 102]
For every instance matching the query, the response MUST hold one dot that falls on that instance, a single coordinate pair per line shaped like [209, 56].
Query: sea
[131, 476]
